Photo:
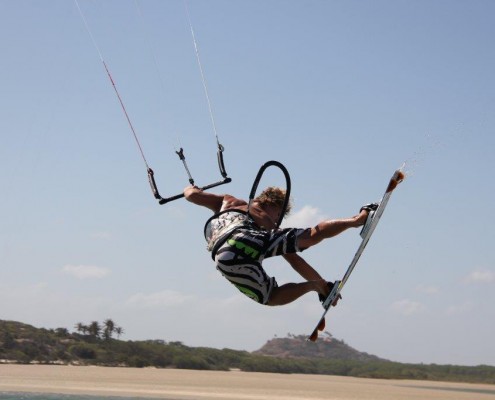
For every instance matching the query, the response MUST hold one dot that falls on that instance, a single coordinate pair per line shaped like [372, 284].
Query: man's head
[274, 197]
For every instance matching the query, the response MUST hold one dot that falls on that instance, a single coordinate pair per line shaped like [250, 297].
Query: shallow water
[52, 396]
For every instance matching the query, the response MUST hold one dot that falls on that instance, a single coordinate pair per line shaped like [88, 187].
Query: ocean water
[52, 396]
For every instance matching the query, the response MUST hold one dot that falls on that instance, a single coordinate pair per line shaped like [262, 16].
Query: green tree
[94, 329]
[81, 328]
[109, 329]
[62, 332]
[8, 341]
[119, 331]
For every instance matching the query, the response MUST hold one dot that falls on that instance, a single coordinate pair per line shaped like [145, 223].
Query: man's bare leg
[289, 292]
[302, 267]
[329, 228]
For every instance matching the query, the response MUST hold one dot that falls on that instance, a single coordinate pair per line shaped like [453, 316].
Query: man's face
[273, 212]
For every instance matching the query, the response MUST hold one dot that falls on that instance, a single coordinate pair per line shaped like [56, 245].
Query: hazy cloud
[427, 289]
[481, 276]
[101, 235]
[164, 298]
[460, 308]
[85, 271]
[406, 307]
[305, 217]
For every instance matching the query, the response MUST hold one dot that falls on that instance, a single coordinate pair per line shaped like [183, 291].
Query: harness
[222, 225]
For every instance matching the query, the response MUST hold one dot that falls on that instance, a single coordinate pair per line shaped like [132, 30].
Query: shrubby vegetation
[23, 343]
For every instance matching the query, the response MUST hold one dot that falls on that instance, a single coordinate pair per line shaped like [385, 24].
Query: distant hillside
[22, 343]
[327, 347]
[25, 343]
[93, 344]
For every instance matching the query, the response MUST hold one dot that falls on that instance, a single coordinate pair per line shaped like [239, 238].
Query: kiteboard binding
[375, 212]
[371, 208]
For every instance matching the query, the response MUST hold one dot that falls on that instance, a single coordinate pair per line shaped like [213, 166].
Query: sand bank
[213, 385]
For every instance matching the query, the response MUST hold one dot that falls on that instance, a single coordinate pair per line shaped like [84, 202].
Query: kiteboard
[366, 233]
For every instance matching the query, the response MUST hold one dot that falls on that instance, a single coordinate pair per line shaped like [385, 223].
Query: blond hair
[274, 196]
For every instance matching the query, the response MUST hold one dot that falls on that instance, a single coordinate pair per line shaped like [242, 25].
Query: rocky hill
[326, 347]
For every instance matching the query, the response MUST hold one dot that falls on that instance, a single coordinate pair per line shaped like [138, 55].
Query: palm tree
[109, 328]
[81, 328]
[119, 331]
[94, 329]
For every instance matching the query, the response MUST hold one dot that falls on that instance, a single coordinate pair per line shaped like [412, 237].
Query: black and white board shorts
[239, 258]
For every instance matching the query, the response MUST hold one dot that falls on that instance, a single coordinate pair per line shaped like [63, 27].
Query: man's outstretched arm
[201, 198]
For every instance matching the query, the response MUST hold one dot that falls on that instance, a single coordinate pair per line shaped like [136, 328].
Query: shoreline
[178, 384]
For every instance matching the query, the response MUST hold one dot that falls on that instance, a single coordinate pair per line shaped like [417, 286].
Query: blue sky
[340, 92]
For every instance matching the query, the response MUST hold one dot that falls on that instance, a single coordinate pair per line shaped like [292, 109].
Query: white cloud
[307, 216]
[480, 276]
[33, 290]
[406, 307]
[85, 271]
[427, 289]
[164, 298]
[101, 235]
[463, 308]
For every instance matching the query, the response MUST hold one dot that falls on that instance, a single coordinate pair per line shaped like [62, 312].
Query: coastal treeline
[23, 343]
[99, 331]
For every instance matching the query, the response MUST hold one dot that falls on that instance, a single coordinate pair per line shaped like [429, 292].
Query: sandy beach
[210, 385]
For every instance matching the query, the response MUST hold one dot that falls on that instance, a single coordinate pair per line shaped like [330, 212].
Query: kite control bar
[287, 191]
[180, 153]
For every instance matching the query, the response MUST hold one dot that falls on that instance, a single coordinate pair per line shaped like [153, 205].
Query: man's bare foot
[361, 217]
[363, 213]
[322, 288]
[327, 288]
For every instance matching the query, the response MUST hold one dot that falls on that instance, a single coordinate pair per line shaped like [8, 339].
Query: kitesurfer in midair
[240, 239]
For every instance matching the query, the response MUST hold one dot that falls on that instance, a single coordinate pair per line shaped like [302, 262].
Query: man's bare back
[264, 217]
